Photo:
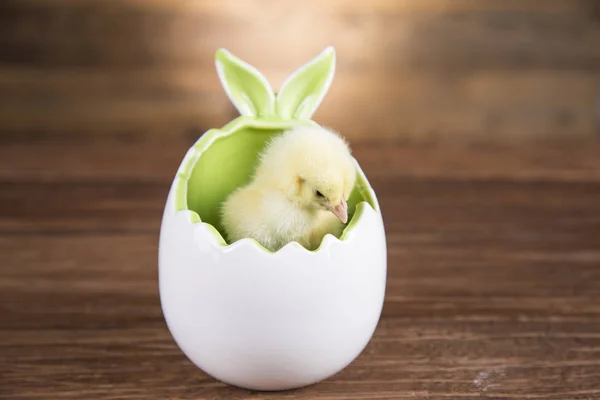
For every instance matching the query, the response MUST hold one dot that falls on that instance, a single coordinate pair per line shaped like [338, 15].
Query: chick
[298, 192]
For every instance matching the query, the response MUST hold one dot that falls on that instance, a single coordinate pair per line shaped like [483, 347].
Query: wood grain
[424, 70]
[476, 123]
[492, 287]
[83, 158]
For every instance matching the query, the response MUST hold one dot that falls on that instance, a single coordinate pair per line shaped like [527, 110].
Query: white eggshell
[271, 321]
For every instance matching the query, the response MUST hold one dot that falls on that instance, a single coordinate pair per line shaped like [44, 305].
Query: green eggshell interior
[226, 160]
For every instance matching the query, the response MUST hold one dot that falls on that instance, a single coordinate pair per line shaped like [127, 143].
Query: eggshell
[271, 321]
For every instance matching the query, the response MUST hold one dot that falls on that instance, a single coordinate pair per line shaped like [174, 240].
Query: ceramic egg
[244, 315]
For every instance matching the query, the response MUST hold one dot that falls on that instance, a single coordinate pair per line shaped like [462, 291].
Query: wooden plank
[493, 245]
[386, 6]
[464, 360]
[63, 207]
[83, 159]
[522, 272]
[505, 236]
[501, 71]
[103, 332]
[492, 105]
[492, 280]
[523, 32]
[511, 360]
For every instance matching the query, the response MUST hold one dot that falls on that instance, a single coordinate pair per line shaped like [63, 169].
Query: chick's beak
[340, 211]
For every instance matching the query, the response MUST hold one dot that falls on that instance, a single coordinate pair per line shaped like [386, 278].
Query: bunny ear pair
[298, 98]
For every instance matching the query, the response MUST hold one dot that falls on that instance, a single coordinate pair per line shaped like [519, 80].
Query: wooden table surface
[493, 286]
[494, 249]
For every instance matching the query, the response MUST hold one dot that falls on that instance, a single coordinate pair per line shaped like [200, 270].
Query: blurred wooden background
[477, 123]
[441, 70]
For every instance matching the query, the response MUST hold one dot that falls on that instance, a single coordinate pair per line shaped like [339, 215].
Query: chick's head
[312, 167]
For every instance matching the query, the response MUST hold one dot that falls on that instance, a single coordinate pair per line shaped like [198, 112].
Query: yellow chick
[298, 192]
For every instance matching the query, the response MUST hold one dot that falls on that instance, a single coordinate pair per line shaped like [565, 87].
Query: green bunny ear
[246, 87]
[303, 91]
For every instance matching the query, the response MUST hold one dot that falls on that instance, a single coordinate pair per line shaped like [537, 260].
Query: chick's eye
[318, 194]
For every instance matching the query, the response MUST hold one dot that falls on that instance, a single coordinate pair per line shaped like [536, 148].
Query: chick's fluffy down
[300, 172]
